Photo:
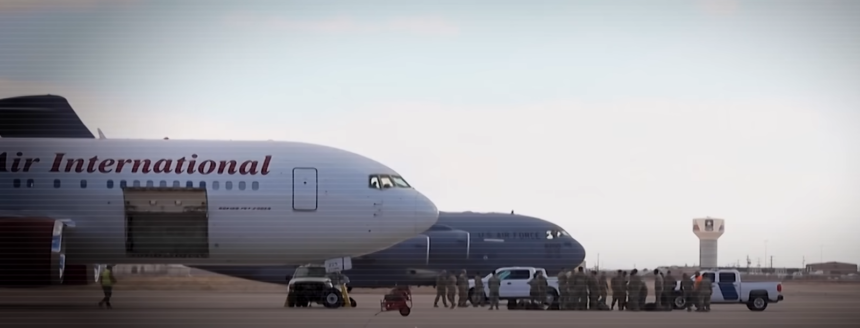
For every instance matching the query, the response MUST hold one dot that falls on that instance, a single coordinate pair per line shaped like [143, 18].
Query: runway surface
[833, 306]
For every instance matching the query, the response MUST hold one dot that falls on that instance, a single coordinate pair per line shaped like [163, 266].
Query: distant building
[832, 268]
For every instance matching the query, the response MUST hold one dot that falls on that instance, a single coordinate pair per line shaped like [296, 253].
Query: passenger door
[305, 189]
[716, 295]
[515, 283]
[728, 285]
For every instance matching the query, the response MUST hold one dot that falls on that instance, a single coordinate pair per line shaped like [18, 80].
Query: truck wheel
[679, 302]
[757, 303]
[332, 299]
[512, 304]
[475, 299]
[291, 300]
[551, 298]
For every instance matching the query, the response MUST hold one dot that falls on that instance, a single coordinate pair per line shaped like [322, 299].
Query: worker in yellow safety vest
[107, 280]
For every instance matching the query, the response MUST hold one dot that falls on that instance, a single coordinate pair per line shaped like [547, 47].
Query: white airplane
[207, 202]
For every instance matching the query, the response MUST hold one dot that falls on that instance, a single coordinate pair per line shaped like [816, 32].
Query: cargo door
[166, 222]
[305, 189]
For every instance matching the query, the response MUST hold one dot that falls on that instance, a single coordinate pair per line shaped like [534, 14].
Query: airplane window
[136, 183]
[255, 185]
[385, 182]
[189, 184]
[30, 183]
[149, 183]
[162, 184]
[16, 183]
[110, 184]
[215, 185]
[553, 234]
[203, 184]
[400, 182]
[241, 185]
[175, 183]
[83, 183]
[56, 183]
[374, 182]
[122, 184]
[228, 185]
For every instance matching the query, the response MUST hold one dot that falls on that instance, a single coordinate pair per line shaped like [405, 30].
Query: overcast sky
[619, 120]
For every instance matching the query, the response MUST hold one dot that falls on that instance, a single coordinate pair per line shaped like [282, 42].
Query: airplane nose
[575, 254]
[426, 213]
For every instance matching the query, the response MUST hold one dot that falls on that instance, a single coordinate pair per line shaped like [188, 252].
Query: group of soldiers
[581, 291]
[449, 286]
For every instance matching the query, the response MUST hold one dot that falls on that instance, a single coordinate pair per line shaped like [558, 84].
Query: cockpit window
[385, 181]
[400, 182]
[556, 233]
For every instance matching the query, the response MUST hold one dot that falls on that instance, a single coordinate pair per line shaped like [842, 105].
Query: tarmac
[833, 305]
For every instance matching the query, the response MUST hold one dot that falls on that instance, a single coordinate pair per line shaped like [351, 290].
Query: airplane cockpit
[386, 181]
[557, 234]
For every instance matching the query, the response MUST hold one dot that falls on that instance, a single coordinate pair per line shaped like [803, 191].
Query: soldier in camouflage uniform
[543, 289]
[452, 290]
[494, 284]
[463, 289]
[478, 296]
[634, 287]
[593, 291]
[580, 289]
[625, 281]
[669, 283]
[658, 290]
[562, 288]
[687, 291]
[615, 284]
[705, 294]
[603, 289]
[441, 288]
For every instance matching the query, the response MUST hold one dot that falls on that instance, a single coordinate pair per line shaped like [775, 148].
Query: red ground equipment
[399, 299]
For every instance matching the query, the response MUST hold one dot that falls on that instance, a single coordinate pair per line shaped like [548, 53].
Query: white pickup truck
[727, 288]
[515, 285]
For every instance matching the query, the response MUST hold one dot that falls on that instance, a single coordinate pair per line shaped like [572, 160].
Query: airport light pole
[765, 249]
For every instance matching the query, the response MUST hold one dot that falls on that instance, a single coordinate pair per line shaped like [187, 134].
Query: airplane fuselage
[476, 242]
[208, 202]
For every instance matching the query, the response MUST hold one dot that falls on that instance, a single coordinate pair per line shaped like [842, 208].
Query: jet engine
[449, 247]
[414, 251]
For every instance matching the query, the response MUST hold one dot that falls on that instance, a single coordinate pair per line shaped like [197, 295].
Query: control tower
[708, 230]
